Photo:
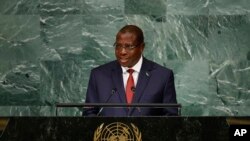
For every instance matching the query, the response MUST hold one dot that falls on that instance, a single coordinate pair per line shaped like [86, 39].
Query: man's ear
[142, 46]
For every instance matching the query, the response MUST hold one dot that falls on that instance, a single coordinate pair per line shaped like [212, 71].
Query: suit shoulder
[105, 67]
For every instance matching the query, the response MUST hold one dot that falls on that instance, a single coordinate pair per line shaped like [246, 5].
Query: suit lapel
[118, 82]
[143, 80]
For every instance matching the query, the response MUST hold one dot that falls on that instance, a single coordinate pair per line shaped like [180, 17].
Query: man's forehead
[126, 35]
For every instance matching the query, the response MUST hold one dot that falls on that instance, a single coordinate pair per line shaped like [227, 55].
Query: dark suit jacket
[155, 85]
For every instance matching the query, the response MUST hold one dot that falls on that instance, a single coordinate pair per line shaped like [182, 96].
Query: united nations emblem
[117, 131]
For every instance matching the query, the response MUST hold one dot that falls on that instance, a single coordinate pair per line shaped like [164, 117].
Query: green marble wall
[47, 48]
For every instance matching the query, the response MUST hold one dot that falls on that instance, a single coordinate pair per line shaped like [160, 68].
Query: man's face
[128, 57]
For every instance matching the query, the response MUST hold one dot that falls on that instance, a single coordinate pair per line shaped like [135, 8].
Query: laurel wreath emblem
[98, 132]
[100, 129]
[137, 132]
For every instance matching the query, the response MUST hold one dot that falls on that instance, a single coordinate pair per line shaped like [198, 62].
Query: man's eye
[127, 46]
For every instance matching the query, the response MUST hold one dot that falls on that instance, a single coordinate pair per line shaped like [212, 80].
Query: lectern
[101, 106]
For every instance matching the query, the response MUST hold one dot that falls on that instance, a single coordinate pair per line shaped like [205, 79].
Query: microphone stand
[113, 91]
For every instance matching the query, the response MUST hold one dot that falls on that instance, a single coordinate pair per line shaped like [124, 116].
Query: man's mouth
[123, 60]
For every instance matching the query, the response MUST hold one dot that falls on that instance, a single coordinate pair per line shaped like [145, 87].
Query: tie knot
[130, 71]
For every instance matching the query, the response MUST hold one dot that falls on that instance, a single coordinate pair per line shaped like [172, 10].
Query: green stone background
[48, 47]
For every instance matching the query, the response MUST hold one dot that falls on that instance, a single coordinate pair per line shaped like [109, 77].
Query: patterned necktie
[130, 86]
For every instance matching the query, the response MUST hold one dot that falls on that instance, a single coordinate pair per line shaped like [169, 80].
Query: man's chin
[124, 64]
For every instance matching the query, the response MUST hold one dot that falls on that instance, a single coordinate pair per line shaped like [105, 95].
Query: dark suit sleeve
[91, 96]
[170, 96]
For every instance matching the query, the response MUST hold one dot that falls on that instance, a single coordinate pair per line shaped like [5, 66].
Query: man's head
[129, 45]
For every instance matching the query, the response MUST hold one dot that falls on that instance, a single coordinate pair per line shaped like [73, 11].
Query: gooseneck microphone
[113, 91]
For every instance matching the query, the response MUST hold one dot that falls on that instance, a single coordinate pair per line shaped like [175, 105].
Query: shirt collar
[136, 67]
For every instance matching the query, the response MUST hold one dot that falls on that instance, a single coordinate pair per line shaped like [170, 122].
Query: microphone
[133, 89]
[113, 91]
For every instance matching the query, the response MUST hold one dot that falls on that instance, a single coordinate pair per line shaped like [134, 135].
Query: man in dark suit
[131, 79]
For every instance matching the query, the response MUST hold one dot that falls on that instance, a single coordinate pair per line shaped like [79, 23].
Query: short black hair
[133, 29]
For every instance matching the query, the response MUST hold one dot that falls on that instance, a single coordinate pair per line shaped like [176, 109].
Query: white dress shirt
[136, 68]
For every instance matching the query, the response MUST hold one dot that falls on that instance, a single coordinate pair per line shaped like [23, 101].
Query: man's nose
[123, 50]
